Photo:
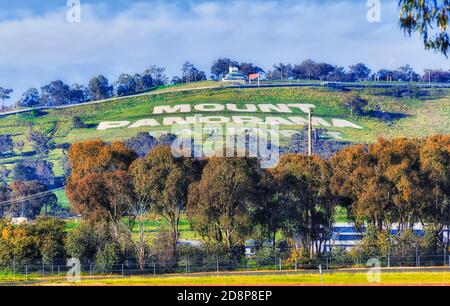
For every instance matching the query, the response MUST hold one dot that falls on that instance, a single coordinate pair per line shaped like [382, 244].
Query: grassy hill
[412, 114]
[424, 113]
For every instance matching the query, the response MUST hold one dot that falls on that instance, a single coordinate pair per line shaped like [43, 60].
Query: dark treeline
[99, 87]
[58, 93]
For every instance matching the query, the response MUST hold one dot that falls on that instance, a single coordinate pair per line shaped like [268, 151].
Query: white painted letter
[209, 107]
[112, 125]
[182, 108]
[144, 122]
[341, 123]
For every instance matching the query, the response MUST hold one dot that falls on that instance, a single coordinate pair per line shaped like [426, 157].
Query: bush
[406, 243]
[300, 256]
[52, 235]
[265, 255]
[341, 256]
[107, 257]
[22, 244]
[81, 242]
[94, 242]
[374, 244]
[162, 249]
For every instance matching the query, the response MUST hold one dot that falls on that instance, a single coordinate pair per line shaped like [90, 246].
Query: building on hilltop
[234, 76]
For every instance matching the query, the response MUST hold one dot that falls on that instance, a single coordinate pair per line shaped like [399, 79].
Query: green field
[388, 278]
[154, 224]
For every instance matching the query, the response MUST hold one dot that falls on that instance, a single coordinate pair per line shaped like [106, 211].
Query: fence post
[58, 272]
[90, 270]
[154, 269]
[445, 257]
[296, 267]
[43, 269]
[417, 256]
[280, 265]
[123, 274]
[217, 264]
[26, 272]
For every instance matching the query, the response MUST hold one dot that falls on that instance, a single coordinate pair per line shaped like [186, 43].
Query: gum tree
[429, 19]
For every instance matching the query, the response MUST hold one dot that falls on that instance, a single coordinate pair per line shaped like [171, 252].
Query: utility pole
[310, 143]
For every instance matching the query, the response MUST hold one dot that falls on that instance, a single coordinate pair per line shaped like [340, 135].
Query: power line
[31, 197]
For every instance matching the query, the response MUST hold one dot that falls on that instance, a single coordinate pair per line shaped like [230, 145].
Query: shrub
[82, 242]
[162, 249]
[52, 234]
[107, 257]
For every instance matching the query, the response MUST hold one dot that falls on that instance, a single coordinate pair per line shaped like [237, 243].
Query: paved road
[25, 110]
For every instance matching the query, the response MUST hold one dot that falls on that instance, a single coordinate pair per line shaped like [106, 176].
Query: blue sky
[39, 45]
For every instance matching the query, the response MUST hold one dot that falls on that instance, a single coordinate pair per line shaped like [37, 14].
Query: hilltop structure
[234, 76]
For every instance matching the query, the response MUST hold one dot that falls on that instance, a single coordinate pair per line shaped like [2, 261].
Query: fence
[189, 265]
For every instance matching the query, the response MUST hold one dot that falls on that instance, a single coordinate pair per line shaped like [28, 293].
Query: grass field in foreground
[405, 278]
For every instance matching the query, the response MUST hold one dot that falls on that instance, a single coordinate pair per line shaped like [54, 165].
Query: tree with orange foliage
[96, 156]
[102, 196]
[398, 162]
[382, 184]
[435, 161]
[99, 186]
[360, 187]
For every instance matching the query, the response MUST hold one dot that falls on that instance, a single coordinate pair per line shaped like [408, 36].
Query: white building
[234, 76]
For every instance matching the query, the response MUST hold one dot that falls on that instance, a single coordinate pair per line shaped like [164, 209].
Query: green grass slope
[423, 116]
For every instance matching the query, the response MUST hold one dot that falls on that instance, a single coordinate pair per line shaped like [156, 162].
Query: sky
[39, 43]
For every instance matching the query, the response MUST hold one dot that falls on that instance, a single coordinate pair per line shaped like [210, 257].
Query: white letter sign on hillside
[111, 125]
[144, 122]
[182, 108]
[228, 140]
[286, 108]
[341, 123]
[281, 108]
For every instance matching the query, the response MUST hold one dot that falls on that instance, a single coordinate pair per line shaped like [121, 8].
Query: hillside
[413, 114]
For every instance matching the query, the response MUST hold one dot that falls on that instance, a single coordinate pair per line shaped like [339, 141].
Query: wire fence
[197, 265]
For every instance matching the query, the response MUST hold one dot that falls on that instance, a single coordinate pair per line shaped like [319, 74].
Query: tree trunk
[229, 243]
[174, 234]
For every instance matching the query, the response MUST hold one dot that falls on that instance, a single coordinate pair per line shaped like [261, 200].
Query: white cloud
[36, 49]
